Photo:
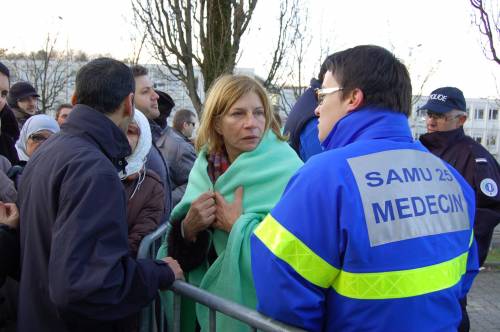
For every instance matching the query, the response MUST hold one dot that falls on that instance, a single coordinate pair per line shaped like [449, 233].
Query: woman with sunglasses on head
[242, 168]
[36, 130]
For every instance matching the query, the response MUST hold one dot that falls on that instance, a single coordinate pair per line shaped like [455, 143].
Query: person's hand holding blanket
[227, 213]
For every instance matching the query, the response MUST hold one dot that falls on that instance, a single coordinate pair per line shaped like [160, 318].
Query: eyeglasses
[38, 138]
[322, 93]
[441, 116]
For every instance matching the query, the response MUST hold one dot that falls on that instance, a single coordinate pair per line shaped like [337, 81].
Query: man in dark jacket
[77, 274]
[302, 123]
[179, 153]
[184, 124]
[446, 115]
[9, 131]
[146, 101]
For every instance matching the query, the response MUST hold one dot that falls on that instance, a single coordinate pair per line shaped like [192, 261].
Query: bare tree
[488, 23]
[47, 69]
[203, 33]
[288, 32]
[206, 34]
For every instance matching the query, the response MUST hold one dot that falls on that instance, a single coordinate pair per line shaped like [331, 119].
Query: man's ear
[73, 99]
[128, 106]
[461, 120]
[355, 99]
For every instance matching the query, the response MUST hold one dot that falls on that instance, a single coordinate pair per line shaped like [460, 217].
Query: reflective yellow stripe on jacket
[376, 285]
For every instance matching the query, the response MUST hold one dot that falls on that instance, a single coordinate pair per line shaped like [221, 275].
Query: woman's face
[35, 140]
[243, 125]
[133, 134]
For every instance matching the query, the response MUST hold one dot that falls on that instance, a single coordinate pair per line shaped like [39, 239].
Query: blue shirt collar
[368, 123]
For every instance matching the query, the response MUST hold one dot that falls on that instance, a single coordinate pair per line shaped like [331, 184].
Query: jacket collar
[368, 123]
[442, 139]
[84, 120]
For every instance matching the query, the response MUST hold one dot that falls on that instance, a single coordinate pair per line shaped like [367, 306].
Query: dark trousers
[465, 323]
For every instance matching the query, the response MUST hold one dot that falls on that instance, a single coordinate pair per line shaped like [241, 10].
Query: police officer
[446, 115]
[375, 233]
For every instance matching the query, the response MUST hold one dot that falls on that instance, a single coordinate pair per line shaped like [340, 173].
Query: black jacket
[9, 249]
[77, 274]
[180, 156]
[9, 133]
[479, 168]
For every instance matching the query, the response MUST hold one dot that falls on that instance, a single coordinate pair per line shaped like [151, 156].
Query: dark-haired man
[387, 244]
[77, 274]
[146, 101]
[62, 113]
[23, 99]
[9, 131]
[184, 124]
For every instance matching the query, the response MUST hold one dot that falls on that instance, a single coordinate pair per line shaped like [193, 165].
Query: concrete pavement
[483, 302]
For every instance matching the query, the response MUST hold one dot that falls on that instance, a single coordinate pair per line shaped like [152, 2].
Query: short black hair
[103, 84]
[181, 116]
[138, 70]
[60, 107]
[384, 80]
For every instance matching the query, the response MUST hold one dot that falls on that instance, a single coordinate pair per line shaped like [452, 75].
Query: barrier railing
[217, 304]
[150, 322]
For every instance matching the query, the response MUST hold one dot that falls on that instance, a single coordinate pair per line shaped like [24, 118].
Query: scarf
[33, 125]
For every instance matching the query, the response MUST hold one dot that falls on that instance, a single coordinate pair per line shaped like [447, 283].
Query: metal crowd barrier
[150, 322]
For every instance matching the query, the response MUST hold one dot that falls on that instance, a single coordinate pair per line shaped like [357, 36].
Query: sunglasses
[322, 93]
[38, 138]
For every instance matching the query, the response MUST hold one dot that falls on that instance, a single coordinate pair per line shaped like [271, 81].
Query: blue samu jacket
[374, 234]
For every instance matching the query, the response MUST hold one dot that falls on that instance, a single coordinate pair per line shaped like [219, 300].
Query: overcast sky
[425, 34]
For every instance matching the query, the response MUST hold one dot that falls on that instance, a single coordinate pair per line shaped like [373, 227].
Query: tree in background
[207, 34]
[487, 19]
[47, 69]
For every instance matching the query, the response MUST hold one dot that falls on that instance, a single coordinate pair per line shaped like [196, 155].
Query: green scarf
[263, 173]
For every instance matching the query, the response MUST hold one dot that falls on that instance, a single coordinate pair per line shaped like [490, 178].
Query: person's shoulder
[153, 177]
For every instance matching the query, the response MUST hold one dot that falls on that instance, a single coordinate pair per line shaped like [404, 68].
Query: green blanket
[263, 173]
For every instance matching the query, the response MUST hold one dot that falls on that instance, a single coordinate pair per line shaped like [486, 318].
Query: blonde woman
[242, 168]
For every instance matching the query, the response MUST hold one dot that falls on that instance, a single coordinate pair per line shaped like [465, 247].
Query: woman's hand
[200, 216]
[226, 213]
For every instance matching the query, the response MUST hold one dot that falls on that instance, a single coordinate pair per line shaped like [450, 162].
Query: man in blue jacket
[375, 233]
[302, 122]
[76, 272]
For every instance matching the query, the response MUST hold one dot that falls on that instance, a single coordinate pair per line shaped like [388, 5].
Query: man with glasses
[184, 123]
[23, 99]
[374, 233]
[445, 117]
[179, 153]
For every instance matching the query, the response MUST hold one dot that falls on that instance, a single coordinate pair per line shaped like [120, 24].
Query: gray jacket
[180, 157]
